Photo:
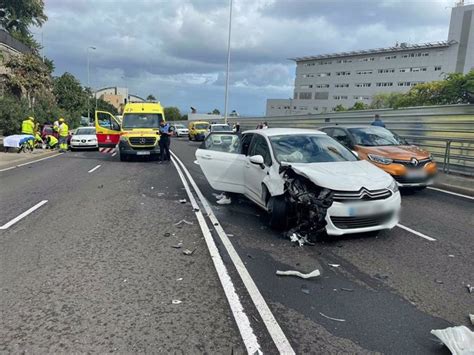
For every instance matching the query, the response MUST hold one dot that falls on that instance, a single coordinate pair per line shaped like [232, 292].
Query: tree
[358, 105]
[184, 117]
[172, 113]
[215, 112]
[103, 105]
[69, 93]
[17, 17]
[151, 98]
[12, 112]
[339, 108]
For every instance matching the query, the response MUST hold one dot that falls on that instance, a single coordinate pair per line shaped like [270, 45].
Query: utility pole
[226, 100]
[89, 82]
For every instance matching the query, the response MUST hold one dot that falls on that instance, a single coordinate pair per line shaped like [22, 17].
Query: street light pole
[226, 100]
[89, 82]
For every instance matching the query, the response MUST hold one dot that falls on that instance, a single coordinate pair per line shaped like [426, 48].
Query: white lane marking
[114, 154]
[241, 318]
[416, 233]
[274, 329]
[23, 215]
[451, 193]
[31, 162]
[94, 168]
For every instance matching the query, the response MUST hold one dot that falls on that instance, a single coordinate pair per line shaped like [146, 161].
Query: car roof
[349, 126]
[270, 132]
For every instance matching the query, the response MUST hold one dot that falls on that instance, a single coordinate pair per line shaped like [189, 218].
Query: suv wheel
[278, 211]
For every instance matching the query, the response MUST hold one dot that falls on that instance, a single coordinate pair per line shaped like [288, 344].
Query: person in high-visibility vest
[63, 133]
[28, 127]
[51, 141]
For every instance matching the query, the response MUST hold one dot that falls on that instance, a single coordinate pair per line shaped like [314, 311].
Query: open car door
[107, 129]
[221, 162]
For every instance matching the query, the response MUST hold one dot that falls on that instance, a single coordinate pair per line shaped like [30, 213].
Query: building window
[385, 84]
[370, 59]
[386, 71]
[341, 85]
[390, 57]
[306, 86]
[304, 108]
[322, 75]
[325, 62]
[364, 72]
[339, 97]
[310, 64]
[343, 73]
[315, 108]
[305, 96]
[324, 95]
[322, 86]
[295, 96]
[344, 61]
[359, 97]
[308, 75]
[363, 85]
[413, 69]
[437, 68]
[413, 55]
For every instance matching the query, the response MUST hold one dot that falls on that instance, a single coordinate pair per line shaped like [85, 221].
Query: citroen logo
[414, 161]
[142, 140]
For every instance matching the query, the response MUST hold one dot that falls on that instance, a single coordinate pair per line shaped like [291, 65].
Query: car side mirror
[257, 160]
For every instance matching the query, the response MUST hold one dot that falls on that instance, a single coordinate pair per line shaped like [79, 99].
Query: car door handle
[207, 157]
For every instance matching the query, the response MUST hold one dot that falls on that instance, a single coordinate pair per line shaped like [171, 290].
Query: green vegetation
[172, 113]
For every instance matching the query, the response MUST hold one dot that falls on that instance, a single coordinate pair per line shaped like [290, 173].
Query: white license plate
[416, 173]
[143, 153]
[365, 209]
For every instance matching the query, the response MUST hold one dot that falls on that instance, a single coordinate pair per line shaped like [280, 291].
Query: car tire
[123, 157]
[72, 149]
[278, 212]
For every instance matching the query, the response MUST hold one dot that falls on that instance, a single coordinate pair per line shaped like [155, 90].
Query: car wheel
[72, 149]
[123, 157]
[278, 211]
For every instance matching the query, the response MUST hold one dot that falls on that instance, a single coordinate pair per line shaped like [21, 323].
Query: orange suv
[409, 165]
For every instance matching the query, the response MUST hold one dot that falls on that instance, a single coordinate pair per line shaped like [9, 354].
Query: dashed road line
[94, 168]
[241, 318]
[23, 215]
[274, 329]
[416, 233]
[31, 162]
[450, 192]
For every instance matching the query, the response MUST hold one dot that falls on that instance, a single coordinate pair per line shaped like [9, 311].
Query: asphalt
[93, 270]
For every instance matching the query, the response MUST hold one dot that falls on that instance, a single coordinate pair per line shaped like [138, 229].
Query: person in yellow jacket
[28, 127]
[51, 141]
[63, 133]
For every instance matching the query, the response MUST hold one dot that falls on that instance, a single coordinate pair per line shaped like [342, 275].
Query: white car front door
[221, 162]
[255, 174]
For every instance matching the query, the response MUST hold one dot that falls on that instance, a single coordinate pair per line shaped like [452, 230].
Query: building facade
[325, 81]
[117, 96]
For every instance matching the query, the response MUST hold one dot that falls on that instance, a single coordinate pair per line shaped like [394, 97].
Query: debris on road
[230, 235]
[161, 194]
[183, 221]
[470, 288]
[459, 340]
[331, 318]
[347, 289]
[180, 279]
[100, 186]
[177, 246]
[167, 235]
[334, 265]
[314, 273]
[439, 281]
[176, 301]
[188, 252]
[305, 289]
[297, 238]
[381, 276]
[152, 187]
[182, 201]
[451, 256]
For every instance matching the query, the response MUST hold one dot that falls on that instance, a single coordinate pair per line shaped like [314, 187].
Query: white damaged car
[304, 179]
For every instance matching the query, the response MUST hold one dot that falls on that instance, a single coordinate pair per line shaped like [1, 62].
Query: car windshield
[201, 126]
[142, 120]
[85, 131]
[179, 126]
[309, 149]
[375, 136]
[221, 128]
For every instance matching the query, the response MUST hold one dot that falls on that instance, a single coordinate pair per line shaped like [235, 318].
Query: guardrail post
[448, 156]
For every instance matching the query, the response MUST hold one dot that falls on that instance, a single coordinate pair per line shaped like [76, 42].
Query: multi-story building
[325, 81]
[117, 96]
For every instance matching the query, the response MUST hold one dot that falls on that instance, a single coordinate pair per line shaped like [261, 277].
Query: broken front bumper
[363, 216]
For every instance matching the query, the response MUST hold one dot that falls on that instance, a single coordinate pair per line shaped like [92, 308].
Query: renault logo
[142, 140]
[414, 162]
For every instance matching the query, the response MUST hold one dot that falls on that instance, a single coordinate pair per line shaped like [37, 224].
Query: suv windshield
[142, 120]
[201, 126]
[221, 128]
[85, 131]
[375, 136]
[309, 149]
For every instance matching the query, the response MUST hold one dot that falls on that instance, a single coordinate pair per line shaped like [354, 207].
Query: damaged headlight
[393, 186]
[379, 159]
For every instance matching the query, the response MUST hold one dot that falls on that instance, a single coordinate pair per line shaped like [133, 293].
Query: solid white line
[274, 329]
[94, 169]
[241, 318]
[31, 162]
[451, 193]
[416, 233]
[23, 215]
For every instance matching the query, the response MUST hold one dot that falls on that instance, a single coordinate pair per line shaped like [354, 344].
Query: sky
[177, 49]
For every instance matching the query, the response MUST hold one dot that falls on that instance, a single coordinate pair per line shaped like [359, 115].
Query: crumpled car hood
[344, 176]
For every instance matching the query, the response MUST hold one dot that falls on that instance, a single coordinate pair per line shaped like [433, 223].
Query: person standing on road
[237, 127]
[63, 131]
[165, 132]
[28, 128]
[377, 121]
[56, 128]
[265, 125]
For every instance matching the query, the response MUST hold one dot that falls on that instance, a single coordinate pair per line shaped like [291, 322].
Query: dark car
[48, 130]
